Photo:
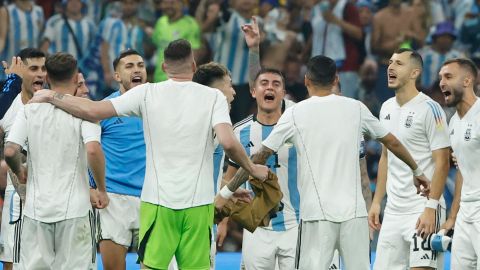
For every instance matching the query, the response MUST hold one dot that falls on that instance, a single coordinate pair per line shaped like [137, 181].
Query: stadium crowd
[359, 35]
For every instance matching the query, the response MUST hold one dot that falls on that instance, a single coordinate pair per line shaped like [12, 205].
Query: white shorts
[400, 248]
[267, 249]
[319, 239]
[11, 227]
[466, 245]
[66, 244]
[120, 220]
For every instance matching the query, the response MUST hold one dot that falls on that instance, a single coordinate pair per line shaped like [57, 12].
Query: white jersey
[24, 31]
[465, 137]
[326, 132]
[421, 127]
[178, 121]
[6, 124]
[61, 39]
[283, 163]
[57, 185]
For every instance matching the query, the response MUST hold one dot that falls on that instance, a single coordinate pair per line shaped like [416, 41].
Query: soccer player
[179, 118]
[56, 226]
[33, 79]
[419, 123]
[124, 148]
[457, 81]
[333, 213]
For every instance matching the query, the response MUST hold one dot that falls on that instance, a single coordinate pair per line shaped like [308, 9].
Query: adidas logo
[118, 121]
[425, 257]
[387, 117]
[250, 144]
[333, 266]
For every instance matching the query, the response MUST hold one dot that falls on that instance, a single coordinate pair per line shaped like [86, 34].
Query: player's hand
[16, 67]
[42, 96]
[243, 195]
[422, 184]
[374, 216]
[220, 201]
[252, 33]
[222, 231]
[448, 225]
[94, 197]
[103, 199]
[426, 223]
[260, 172]
[454, 159]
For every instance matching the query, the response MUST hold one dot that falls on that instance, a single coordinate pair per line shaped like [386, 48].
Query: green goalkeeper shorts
[166, 232]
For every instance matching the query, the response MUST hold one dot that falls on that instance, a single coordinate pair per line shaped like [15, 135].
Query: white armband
[417, 171]
[226, 193]
[432, 203]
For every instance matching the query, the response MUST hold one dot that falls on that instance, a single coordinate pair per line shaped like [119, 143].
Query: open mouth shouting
[269, 97]
[392, 77]
[137, 80]
[37, 85]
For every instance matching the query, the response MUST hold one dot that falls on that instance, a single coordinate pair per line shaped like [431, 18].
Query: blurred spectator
[470, 31]
[24, 26]
[421, 12]
[368, 77]
[392, 28]
[70, 31]
[117, 32]
[3, 26]
[268, 5]
[365, 14]
[171, 26]
[94, 9]
[456, 10]
[337, 33]
[438, 52]
[294, 84]
[232, 51]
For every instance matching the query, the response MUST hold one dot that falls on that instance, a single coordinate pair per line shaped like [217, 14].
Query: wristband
[226, 193]
[417, 171]
[432, 203]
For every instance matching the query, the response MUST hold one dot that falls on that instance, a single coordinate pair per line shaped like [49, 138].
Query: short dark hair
[61, 66]
[321, 70]
[28, 53]
[177, 50]
[122, 55]
[207, 74]
[270, 70]
[464, 63]
[414, 55]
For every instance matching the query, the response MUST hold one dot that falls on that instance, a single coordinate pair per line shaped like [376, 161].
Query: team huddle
[145, 166]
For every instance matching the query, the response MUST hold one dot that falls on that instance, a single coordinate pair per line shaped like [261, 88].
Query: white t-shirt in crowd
[57, 184]
[6, 124]
[327, 131]
[421, 127]
[178, 120]
[465, 137]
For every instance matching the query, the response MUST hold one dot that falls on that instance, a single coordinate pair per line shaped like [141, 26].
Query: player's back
[57, 186]
[328, 131]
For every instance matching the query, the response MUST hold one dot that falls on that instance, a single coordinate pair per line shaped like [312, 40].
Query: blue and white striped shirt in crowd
[432, 62]
[94, 10]
[218, 161]
[284, 164]
[25, 28]
[231, 49]
[61, 39]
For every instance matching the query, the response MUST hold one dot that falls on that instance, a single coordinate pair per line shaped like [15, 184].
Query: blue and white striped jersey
[432, 62]
[94, 10]
[284, 164]
[218, 161]
[231, 49]
[61, 40]
[25, 28]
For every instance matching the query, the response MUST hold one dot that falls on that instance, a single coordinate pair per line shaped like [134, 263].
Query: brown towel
[256, 213]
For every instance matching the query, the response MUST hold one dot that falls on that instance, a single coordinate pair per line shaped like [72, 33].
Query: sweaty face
[399, 70]
[34, 77]
[269, 92]
[452, 83]
[131, 71]
[225, 85]
[82, 90]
